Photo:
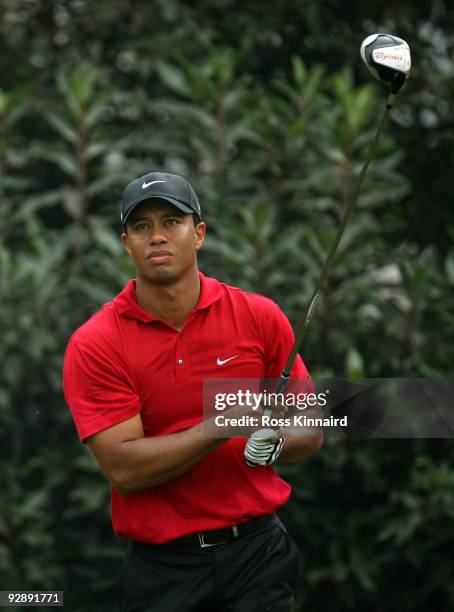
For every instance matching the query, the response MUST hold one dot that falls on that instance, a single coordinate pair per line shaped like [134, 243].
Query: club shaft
[332, 252]
[301, 333]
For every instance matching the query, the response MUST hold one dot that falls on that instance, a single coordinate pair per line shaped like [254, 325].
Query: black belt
[220, 536]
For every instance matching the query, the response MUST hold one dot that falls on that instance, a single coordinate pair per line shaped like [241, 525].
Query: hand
[261, 450]
[245, 420]
[265, 445]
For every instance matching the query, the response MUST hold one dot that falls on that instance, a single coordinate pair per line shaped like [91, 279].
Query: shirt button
[180, 362]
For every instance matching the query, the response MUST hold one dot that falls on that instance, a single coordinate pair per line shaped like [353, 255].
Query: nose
[158, 235]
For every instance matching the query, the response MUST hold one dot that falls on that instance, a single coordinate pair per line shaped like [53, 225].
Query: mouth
[159, 256]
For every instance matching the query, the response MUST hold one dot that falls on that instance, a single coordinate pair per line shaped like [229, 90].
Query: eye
[172, 221]
[141, 226]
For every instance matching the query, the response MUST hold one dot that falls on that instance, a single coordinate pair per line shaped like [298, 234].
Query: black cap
[172, 188]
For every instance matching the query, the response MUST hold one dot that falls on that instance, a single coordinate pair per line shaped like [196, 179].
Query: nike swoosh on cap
[222, 361]
[145, 185]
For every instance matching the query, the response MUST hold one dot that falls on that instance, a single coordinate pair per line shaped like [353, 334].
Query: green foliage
[81, 146]
[266, 115]
[13, 106]
[376, 547]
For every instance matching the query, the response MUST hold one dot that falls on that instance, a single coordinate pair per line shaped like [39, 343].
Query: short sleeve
[97, 388]
[279, 342]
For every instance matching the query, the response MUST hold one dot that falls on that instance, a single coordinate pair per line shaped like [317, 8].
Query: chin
[161, 276]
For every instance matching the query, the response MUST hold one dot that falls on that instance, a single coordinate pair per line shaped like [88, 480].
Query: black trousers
[253, 573]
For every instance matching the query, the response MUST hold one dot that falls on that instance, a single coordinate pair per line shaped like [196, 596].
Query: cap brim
[176, 203]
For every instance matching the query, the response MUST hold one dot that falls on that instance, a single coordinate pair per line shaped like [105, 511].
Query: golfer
[201, 524]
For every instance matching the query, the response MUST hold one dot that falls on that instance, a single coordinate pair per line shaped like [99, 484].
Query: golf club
[387, 58]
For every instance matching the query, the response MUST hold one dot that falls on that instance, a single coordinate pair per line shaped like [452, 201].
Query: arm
[303, 442]
[133, 463]
[296, 449]
[290, 443]
[105, 408]
[281, 339]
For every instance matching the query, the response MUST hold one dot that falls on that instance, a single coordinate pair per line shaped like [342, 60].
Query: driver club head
[387, 58]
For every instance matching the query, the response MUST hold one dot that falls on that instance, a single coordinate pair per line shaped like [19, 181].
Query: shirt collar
[126, 303]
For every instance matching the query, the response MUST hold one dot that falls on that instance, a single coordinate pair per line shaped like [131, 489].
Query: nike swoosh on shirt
[222, 361]
[145, 185]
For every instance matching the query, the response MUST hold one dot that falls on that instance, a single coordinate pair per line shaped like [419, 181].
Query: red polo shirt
[124, 361]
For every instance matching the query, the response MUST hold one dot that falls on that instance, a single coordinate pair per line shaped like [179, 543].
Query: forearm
[297, 448]
[152, 461]
[302, 442]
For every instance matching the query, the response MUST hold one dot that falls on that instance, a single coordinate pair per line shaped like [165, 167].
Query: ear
[125, 239]
[200, 232]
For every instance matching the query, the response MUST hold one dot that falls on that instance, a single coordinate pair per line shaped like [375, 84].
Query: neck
[170, 302]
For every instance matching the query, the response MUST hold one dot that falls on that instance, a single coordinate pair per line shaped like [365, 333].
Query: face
[162, 241]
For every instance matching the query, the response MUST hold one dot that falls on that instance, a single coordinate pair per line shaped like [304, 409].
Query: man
[201, 523]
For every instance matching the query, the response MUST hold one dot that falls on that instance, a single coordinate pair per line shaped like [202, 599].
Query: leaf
[96, 113]
[354, 364]
[72, 203]
[43, 200]
[449, 267]
[66, 162]
[174, 78]
[106, 238]
[96, 149]
[60, 124]
[83, 81]
[69, 95]
[299, 70]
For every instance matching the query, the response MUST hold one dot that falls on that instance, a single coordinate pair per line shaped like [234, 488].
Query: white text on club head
[397, 57]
